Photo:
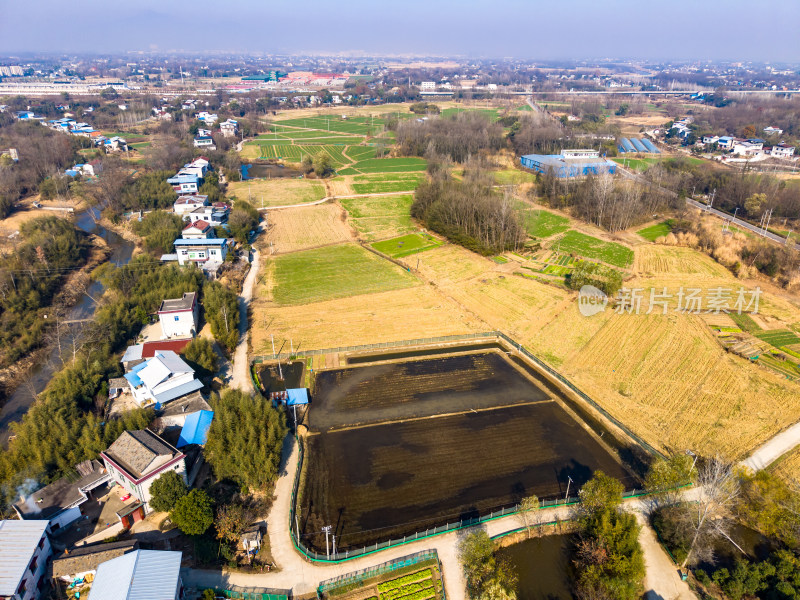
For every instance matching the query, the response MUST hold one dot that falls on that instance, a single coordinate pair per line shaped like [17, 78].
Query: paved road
[661, 580]
[774, 448]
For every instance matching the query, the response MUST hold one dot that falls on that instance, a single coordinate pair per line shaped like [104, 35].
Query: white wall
[178, 324]
[65, 518]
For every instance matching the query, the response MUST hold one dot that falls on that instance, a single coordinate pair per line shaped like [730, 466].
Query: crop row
[406, 579]
[407, 589]
[423, 594]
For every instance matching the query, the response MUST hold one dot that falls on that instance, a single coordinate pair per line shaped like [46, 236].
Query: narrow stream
[23, 396]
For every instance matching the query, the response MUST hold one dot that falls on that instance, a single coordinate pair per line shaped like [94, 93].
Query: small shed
[251, 539]
[296, 396]
[195, 429]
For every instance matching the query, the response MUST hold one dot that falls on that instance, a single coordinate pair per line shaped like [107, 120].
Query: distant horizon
[660, 30]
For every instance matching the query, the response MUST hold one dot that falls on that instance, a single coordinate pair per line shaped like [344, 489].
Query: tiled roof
[185, 302]
[88, 558]
[135, 451]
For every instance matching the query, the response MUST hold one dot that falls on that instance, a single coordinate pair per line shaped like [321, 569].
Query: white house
[747, 148]
[782, 151]
[211, 250]
[213, 215]
[773, 130]
[162, 378]
[60, 502]
[726, 142]
[204, 141]
[186, 204]
[179, 317]
[229, 128]
[710, 139]
[137, 458]
[207, 117]
[197, 230]
[427, 86]
[139, 575]
[185, 184]
[24, 552]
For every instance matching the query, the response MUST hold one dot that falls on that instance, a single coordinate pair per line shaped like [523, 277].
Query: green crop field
[778, 338]
[575, 242]
[357, 153]
[394, 182]
[335, 272]
[391, 165]
[407, 245]
[492, 113]
[336, 124]
[745, 322]
[347, 171]
[542, 224]
[637, 164]
[656, 231]
[380, 217]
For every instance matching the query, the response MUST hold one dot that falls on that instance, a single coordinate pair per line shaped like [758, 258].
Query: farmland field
[304, 227]
[637, 164]
[542, 224]
[590, 247]
[656, 231]
[778, 338]
[677, 261]
[388, 479]
[379, 217]
[407, 245]
[277, 192]
[391, 182]
[512, 177]
[390, 165]
[334, 272]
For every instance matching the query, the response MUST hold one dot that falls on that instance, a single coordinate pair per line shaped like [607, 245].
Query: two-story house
[178, 317]
[137, 458]
[161, 379]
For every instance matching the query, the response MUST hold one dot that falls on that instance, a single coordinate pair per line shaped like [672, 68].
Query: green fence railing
[362, 575]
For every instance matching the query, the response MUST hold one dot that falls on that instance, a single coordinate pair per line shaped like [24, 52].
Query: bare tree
[529, 514]
[718, 487]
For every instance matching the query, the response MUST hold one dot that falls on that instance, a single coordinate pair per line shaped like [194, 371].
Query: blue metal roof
[183, 179]
[195, 429]
[296, 396]
[177, 392]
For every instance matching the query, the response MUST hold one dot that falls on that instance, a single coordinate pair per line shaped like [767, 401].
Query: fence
[461, 523]
[360, 576]
[238, 593]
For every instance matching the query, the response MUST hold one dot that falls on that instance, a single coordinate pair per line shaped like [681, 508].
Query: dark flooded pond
[542, 567]
[267, 171]
[755, 545]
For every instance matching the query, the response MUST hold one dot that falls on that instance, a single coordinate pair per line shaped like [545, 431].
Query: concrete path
[327, 198]
[661, 581]
[773, 449]
[241, 366]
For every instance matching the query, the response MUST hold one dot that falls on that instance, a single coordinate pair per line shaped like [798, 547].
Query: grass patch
[542, 224]
[347, 171]
[380, 217]
[637, 164]
[277, 192]
[335, 272]
[513, 177]
[407, 245]
[397, 182]
[575, 242]
[658, 230]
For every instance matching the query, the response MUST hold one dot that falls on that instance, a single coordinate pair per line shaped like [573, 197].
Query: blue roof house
[195, 428]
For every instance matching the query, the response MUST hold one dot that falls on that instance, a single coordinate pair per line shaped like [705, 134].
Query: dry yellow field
[789, 467]
[668, 379]
[277, 192]
[518, 306]
[654, 260]
[383, 317]
[449, 264]
[293, 229]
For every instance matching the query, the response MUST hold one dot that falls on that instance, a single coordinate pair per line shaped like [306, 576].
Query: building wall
[178, 324]
[141, 490]
[65, 518]
[35, 577]
[189, 255]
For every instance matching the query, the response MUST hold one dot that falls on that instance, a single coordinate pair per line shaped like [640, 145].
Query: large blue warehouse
[570, 163]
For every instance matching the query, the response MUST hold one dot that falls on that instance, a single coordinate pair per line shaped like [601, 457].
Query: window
[177, 318]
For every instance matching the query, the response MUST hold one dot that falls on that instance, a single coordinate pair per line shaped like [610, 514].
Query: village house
[60, 502]
[197, 230]
[139, 575]
[178, 317]
[207, 253]
[115, 144]
[76, 568]
[747, 147]
[24, 552]
[138, 353]
[174, 415]
[195, 428]
[782, 151]
[204, 141]
[185, 184]
[229, 128]
[186, 204]
[160, 379]
[207, 117]
[710, 139]
[136, 459]
[215, 215]
[725, 142]
[773, 131]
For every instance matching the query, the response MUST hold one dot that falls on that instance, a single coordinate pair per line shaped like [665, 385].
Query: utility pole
[569, 480]
[787, 236]
[690, 453]
[272, 337]
[711, 204]
[334, 546]
[327, 530]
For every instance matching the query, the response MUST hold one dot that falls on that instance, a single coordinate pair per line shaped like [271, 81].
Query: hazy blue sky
[681, 29]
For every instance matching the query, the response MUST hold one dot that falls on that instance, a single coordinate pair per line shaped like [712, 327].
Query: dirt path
[328, 198]
[661, 581]
[241, 369]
